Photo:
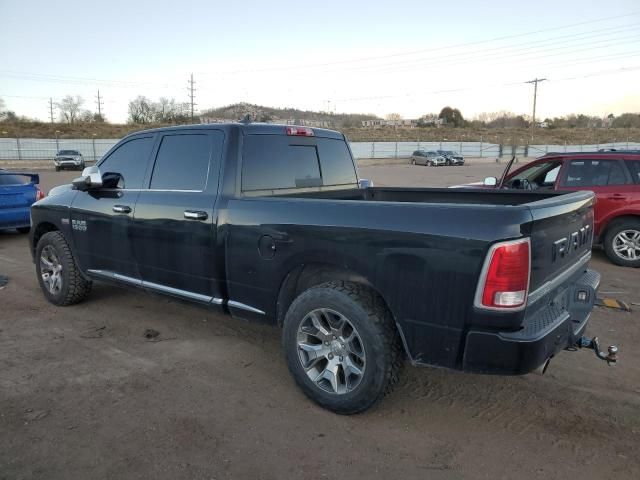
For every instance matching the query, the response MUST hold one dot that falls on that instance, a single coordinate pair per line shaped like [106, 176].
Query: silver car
[68, 159]
[431, 158]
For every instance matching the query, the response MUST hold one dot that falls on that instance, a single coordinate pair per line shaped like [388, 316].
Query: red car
[614, 176]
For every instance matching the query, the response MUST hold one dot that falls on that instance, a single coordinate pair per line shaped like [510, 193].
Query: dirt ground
[84, 395]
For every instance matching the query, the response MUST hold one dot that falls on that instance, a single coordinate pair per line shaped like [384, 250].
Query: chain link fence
[39, 149]
[46, 148]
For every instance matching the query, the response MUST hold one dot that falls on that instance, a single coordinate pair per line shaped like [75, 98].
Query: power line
[413, 52]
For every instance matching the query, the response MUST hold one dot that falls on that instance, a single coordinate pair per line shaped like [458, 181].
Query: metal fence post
[373, 149]
[565, 146]
[480, 146]
[396, 150]
[18, 145]
[93, 144]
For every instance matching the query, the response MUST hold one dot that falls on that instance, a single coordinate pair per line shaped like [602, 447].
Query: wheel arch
[613, 221]
[304, 276]
[39, 231]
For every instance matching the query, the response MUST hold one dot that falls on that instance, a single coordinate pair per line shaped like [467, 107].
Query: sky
[407, 57]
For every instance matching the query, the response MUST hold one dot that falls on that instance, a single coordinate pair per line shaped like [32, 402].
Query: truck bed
[431, 195]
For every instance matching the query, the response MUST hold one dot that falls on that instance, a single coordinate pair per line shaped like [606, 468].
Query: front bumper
[551, 325]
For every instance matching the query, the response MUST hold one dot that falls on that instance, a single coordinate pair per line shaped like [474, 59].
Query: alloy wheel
[51, 269]
[331, 351]
[626, 244]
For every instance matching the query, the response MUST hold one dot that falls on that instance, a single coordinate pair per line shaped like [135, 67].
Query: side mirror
[112, 180]
[90, 178]
[365, 183]
[490, 181]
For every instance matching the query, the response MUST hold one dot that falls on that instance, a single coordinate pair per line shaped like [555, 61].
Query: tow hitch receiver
[611, 357]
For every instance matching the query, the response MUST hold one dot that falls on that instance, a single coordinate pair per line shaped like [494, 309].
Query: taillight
[504, 283]
[300, 131]
[39, 194]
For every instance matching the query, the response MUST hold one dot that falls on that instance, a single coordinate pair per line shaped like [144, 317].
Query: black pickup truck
[270, 222]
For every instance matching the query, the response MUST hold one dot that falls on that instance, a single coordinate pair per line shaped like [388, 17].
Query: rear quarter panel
[423, 259]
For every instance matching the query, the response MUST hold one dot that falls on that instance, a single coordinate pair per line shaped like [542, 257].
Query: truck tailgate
[561, 234]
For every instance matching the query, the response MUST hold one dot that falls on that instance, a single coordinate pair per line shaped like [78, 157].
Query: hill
[260, 113]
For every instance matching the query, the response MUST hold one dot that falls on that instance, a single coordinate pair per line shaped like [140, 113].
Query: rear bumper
[14, 218]
[551, 325]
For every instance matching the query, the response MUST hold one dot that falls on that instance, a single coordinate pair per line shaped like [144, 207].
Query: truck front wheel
[342, 347]
[59, 276]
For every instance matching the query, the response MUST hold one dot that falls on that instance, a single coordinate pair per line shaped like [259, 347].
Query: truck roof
[247, 128]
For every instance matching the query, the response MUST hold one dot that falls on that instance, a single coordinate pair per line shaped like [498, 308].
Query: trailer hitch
[611, 357]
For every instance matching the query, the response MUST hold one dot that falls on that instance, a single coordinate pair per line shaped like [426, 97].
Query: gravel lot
[83, 395]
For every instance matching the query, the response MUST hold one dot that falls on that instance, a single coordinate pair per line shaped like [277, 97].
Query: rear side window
[129, 160]
[634, 168]
[594, 173]
[182, 162]
[272, 162]
[335, 162]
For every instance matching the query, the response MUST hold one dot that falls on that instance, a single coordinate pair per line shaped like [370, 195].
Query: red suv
[614, 176]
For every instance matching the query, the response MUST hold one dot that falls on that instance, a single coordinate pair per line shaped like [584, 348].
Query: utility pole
[51, 109]
[535, 82]
[191, 94]
[99, 103]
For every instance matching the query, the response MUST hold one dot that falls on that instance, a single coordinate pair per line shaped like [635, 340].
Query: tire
[375, 348]
[57, 169]
[448, 163]
[24, 229]
[413, 161]
[71, 287]
[620, 235]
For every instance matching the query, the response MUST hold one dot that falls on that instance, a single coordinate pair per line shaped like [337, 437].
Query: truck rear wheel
[622, 243]
[342, 347]
[59, 276]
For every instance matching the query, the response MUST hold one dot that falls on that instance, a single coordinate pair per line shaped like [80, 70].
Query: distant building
[377, 123]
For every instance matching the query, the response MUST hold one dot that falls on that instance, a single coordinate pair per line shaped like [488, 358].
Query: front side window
[594, 173]
[182, 162]
[129, 160]
[538, 175]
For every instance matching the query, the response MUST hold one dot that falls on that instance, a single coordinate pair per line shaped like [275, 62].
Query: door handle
[122, 209]
[195, 215]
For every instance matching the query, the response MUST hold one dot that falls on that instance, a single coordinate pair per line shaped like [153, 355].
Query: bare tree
[69, 108]
[141, 110]
[393, 116]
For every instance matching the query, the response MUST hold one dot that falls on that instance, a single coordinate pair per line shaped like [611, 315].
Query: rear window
[13, 179]
[336, 163]
[274, 162]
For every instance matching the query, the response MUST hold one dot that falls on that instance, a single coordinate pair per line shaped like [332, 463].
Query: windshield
[68, 152]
